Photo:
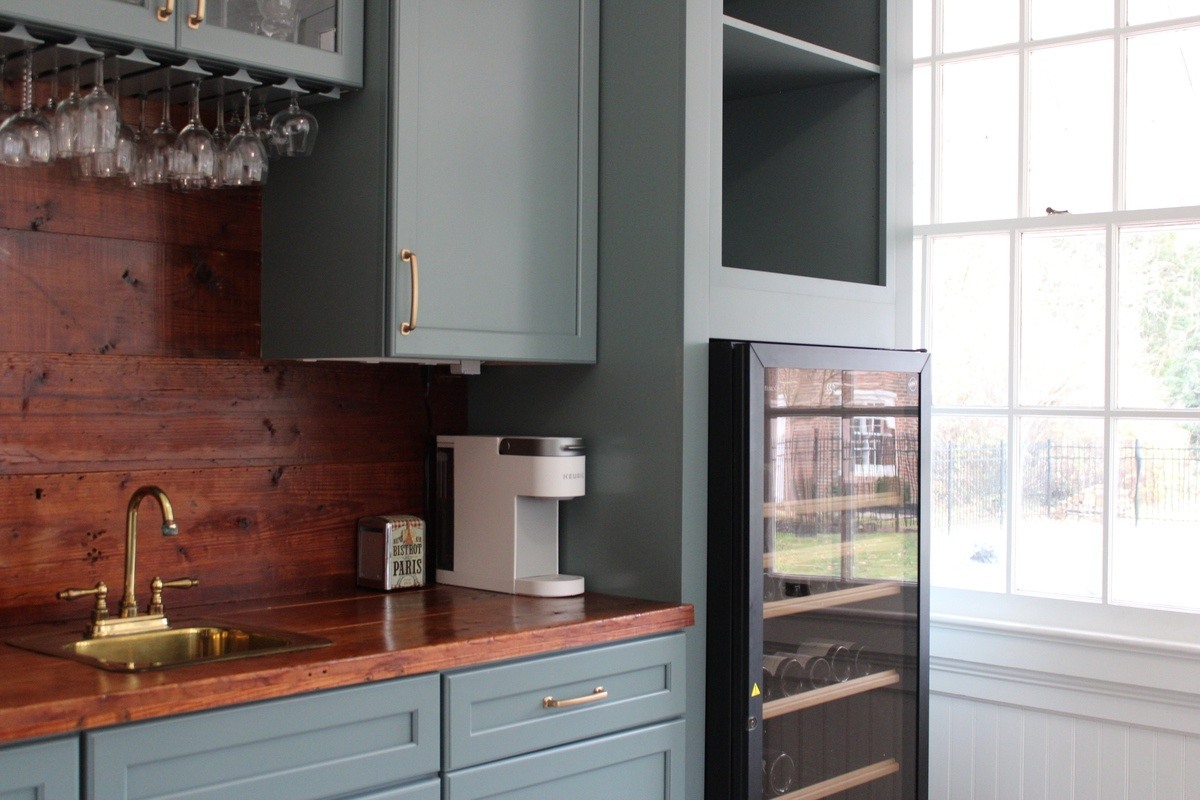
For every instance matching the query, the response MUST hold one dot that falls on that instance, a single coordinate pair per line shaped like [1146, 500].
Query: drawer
[47, 770]
[329, 744]
[430, 789]
[498, 711]
[642, 764]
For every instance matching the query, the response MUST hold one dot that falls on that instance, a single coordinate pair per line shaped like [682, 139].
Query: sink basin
[186, 642]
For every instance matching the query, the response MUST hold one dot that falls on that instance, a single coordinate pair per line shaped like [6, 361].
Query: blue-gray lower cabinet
[600, 722]
[372, 742]
[642, 764]
[46, 770]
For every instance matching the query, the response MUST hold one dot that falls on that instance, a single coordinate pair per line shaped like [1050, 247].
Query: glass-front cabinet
[817, 572]
[319, 41]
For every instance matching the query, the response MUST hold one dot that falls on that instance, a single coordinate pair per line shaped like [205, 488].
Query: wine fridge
[817, 573]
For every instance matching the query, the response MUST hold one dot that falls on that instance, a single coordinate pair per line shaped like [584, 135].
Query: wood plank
[244, 532]
[375, 636]
[827, 694]
[50, 200]
[842, 783]
[841, 597]
[79, 294]
[88, 413]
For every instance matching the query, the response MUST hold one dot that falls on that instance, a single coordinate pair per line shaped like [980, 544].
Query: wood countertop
[375, 636]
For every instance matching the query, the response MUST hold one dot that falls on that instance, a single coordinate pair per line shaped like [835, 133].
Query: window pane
[922, 28]
[1155, 541]
[1162, 163]
[922, 143]
[968, 473]
[1157, 10]
[967, 24]
[1062, 320]
[1063, 17]
[968, 278]
[1058, 529]
[1158, 335]
[978, 140]
[1070, 128]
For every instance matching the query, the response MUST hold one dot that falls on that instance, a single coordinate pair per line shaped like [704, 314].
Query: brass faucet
[129, 621]
[169, 528]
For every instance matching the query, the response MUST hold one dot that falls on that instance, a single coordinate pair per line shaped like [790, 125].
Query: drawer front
[642, 764]
[425, 790]
[41, 771]
[498, 711]
[320, 745]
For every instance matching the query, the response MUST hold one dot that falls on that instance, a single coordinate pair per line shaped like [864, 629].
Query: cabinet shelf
[827, 694]
[761, 61]
[841, 597]
[842, 783]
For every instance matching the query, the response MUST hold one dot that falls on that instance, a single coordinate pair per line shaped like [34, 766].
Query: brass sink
[186, 642]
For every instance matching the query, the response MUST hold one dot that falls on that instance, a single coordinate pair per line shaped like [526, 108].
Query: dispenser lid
[541, 446]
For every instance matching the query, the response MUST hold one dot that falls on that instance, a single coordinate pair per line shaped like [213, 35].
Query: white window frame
[1007, 614]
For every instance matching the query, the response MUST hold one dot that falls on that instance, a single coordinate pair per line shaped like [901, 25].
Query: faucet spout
[169, 528]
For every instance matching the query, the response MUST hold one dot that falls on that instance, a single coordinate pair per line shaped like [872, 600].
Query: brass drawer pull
[165, 11]
[197, 19]
[598, 693]
[408, 327]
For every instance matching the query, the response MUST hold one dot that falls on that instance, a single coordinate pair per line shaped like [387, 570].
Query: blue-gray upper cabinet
[477, 154]
[321, 43]
[374, 742]
[47, 770]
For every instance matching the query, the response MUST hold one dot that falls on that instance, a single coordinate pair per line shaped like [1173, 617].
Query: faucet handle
[100, 590]
[156, 589]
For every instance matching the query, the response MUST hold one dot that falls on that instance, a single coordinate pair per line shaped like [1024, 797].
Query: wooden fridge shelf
[845, 782]
[841, 597]
[827, 694]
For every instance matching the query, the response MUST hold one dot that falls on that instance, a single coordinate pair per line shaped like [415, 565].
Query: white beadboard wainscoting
[1040, 712]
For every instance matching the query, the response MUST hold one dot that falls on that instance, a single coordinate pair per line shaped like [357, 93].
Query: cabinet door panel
[323, 41]
[129, 20]
[642, 764]
[41, 771]
[313, 746]
[494, 176]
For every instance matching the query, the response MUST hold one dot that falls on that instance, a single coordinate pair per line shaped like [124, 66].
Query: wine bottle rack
[827, 694]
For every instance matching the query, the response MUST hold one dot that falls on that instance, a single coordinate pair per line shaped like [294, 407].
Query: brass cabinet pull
[197, 19]
[597, 694]
[408, 327]
[165, 11]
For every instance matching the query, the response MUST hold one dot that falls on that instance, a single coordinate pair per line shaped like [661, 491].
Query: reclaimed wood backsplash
[129, 340]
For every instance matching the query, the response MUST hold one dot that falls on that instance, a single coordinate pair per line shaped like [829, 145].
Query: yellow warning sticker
[755, 692]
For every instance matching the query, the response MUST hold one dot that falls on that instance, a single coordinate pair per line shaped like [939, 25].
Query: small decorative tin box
[391, 552]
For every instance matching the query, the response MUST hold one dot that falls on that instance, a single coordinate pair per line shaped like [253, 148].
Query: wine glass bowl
[247, 164]
[99, 118]
[195, 156]
[26, 137]
[295, 130]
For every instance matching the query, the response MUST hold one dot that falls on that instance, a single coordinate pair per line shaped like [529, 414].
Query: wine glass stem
[27, 79]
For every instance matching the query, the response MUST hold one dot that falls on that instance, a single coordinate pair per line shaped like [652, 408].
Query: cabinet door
[495, 119]
[320, 40]
[341, 743]
[642, 764]
[42, 771]
[129, 20]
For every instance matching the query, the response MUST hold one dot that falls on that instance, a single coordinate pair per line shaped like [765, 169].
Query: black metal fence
[1061, 480]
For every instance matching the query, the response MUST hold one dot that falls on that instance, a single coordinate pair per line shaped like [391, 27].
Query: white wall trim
[1144, 682]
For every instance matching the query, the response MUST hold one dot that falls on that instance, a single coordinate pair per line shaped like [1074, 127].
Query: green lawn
[877, 555]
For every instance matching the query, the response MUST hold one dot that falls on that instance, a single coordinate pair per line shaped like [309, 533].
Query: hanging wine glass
[26, 137]
[99, 118]
[122, 159]
[141, 140]
[66, 121]
[195, 151]
[220, 138]
[248, 157]
[6, 110]
[295, 130]
[261, 124]
[157, 156]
